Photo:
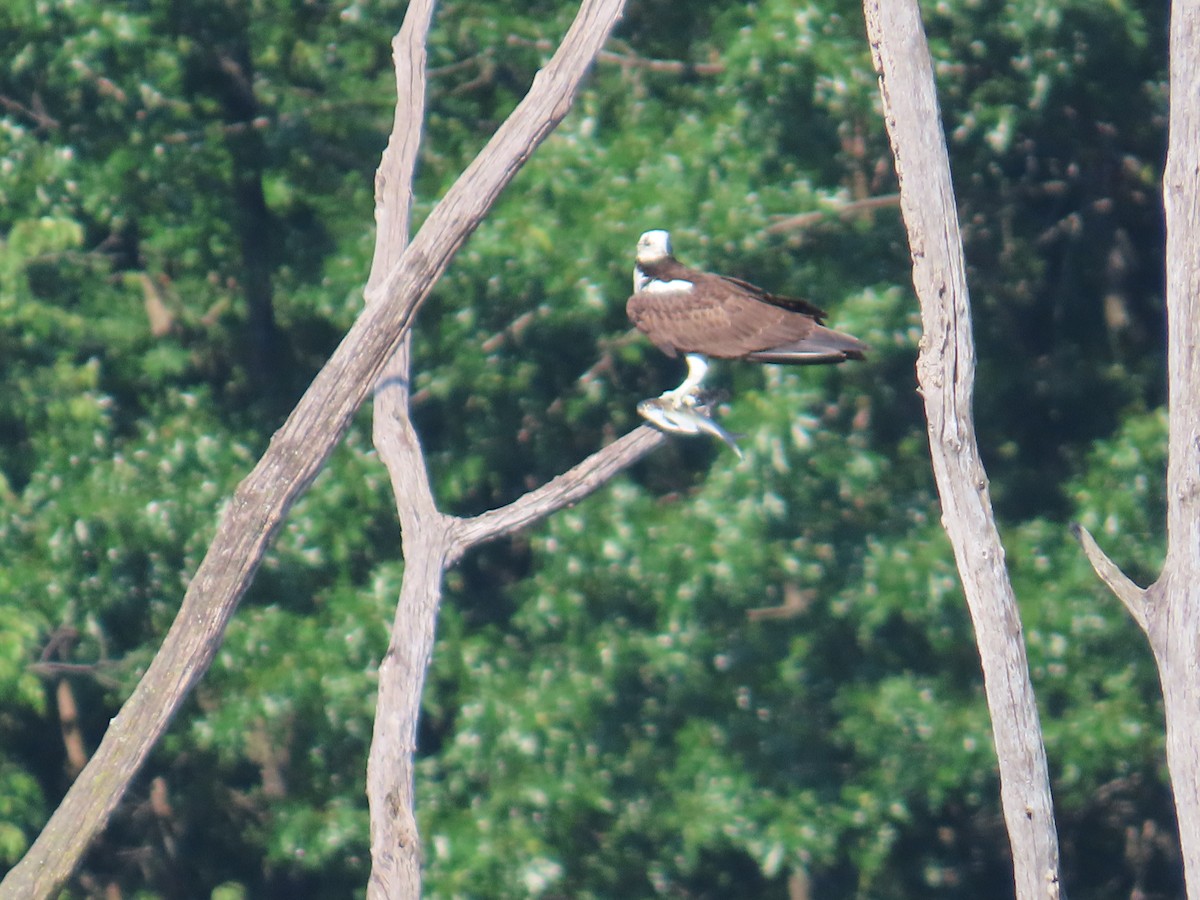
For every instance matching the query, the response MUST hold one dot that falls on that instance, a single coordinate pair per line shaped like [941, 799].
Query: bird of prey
[705, 316]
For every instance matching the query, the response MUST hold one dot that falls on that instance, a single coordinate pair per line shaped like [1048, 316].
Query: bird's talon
[680, 401]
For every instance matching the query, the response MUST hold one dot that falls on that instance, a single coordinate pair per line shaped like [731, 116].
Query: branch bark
[294, 458]
[431, 540]
[1169, 610]
[566, 490]
[946, 371]
[1122, 586]
[395, 845]
[1173, 607]
[800, 221]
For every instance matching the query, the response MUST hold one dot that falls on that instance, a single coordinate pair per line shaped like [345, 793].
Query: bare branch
[427, 534]
[801, 221]
[1117, 581]
[1169, 610]
[1173, 602]
[1181, 197]
[395, 848]
[512, 331]
[34, 113]
[296, 455]
[566, 490]
[796, 602]
[946, 371]
[630, 60]
[68, 721]
[603, 363]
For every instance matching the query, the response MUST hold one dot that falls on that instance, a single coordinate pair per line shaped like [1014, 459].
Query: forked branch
[431, 539]
[295, 456]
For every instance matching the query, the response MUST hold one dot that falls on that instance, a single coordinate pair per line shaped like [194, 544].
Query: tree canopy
[711, 678]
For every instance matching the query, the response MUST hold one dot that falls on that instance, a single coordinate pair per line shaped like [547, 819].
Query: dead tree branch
[1114, 579]
[431, 540]
[946, 371]
[566, 490]
[800, 221]
[631, 60]
[296, 455]
[1169, 610]
[395, 844]
[1173, 612]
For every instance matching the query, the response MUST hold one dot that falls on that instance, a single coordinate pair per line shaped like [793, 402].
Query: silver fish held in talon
[666, 415]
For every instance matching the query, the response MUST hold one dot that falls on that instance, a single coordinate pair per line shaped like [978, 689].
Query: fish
[668, 416]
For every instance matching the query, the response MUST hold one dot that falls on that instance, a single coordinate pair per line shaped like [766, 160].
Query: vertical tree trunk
[1169, 610]
[946, 371]
[431, 540]
[395, 839]
[294, 458]
[1173, 607]
[256, 229]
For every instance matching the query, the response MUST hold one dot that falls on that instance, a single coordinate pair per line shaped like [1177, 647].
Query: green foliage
[184, 237]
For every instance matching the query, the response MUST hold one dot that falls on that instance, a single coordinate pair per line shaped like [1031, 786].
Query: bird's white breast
[674, 286]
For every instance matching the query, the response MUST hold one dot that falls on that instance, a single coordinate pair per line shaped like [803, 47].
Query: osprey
[702, 315]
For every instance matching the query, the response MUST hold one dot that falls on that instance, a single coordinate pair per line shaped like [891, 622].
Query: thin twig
[844, 211]
[630, 61]
[603, 363]
[39, 117]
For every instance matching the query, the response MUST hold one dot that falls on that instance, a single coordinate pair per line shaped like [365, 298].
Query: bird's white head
[653, 246]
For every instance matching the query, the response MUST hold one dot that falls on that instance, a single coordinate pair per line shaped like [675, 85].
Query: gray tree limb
[295, 456]
[1114, 579]
[395, 844]
[431, 540]
[946, 372]
[566, 490]
[1173, 607]
[1169, 610]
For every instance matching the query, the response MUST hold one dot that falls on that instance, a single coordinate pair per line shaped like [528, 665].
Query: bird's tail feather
[823, 345]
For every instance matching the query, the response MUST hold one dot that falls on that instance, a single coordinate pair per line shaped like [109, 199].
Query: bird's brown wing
[718, 318]
[792, 304]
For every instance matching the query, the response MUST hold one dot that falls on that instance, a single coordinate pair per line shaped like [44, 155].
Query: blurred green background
[185, 231]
